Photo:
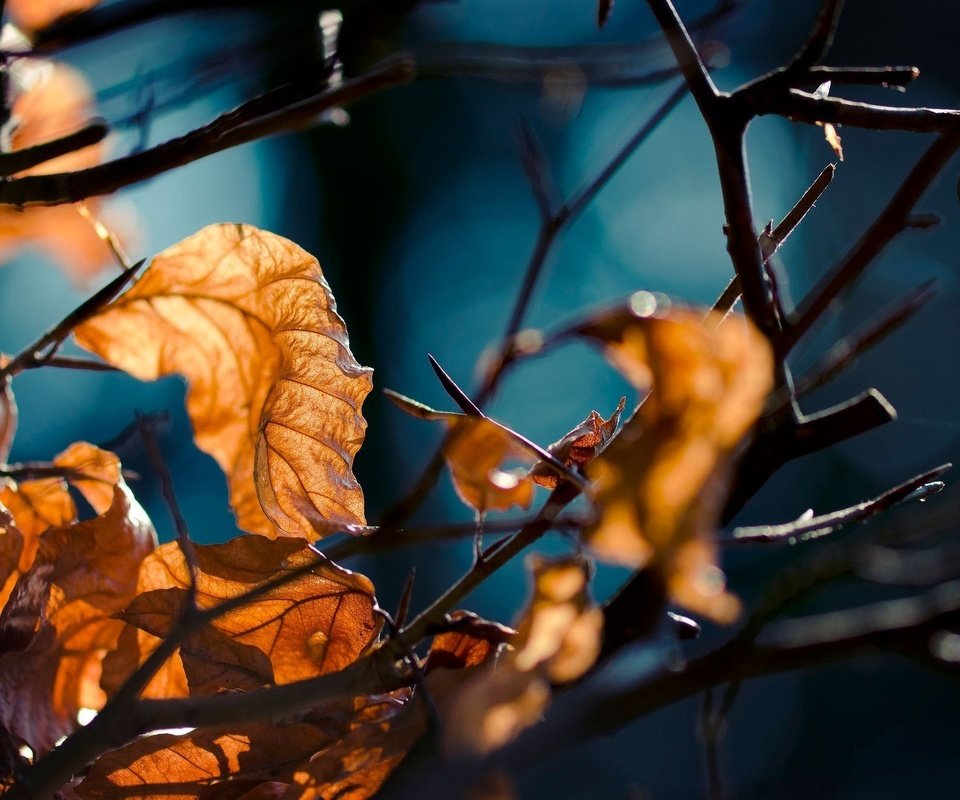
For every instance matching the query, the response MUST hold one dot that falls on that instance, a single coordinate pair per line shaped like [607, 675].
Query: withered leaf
[314, 624]
[580, 445]
[39, 504]
[659, 487]
[274, 391]
[172, 766]
[56, 100]
[469, 642]
[35, 15]
[357, 765]
[476, 450]
[92, 568]
[558, 639]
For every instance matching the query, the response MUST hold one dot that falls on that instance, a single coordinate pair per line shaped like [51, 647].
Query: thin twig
[891, 222]
[47, 345]
[170, 496]
[26, 158]
[918, 487]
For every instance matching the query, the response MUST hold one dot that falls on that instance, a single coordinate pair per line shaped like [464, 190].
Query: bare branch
[228, 131]
[918, 487]
[821, 37]
[891, 222]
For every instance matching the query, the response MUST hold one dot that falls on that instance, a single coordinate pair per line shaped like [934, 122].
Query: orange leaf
[274, 392]
[558, 640]
[57, 100]
[475, 451]
[660, 486]
[318, 623]
[34, 15]
[580, 445]
[171, 766]
[89, 572]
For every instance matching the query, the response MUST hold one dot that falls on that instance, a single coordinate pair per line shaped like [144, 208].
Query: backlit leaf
[90, 572]
[580, 445]
[558, 639]
[476, 450]
[34, 15]
[314, 624]
[181, 766]
[274, 392]
[660, 486]
[56, 100]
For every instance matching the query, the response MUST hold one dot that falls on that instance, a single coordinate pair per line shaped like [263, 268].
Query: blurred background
[416, 204]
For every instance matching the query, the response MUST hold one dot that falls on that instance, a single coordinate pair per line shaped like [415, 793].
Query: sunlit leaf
[90, 573]
[660, 485]
[56, 100]
[558, 639]
[34, 15]
[356, 767]
[314, 624]
[580, 445]
[476, 451]
[274, 392]
[182, 766]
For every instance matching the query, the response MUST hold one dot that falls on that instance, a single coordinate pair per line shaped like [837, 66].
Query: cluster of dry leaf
[274, 396]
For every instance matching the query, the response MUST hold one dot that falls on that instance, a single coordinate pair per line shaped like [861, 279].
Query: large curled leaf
[34, 15]
[274, 391]
[661, 484]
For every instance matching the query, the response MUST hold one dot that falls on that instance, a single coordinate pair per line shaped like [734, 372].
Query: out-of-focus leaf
[274, 391]
[55, 100]
[90, 569]
[181, 766]
[315, 624]
[35, 15]
[580, 445]
[660, 485]
[558, 640]
[475, 451]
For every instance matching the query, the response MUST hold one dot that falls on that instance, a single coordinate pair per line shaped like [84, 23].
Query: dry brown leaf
[315, 624]
[356, 767]
[476, 450]
[469, 642]
[579, 446]
[35, 15]
[57, 100]
[90, 574]
[659, 487]
[274, 392]
[37, 505]
[168, 767]
[558, 640]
